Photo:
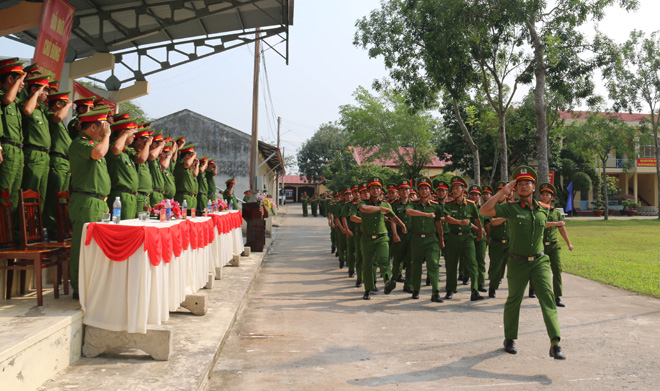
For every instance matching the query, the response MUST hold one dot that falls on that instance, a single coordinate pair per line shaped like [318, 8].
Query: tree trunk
[503, 150]
[540, 105]
[607, 198]
[476, 165]
[495, 162]
[657, 163]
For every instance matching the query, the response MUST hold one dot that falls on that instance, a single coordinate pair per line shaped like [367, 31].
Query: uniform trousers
[82, 209]
[457, 246]
[350, 252]
[341, 245]
[154, 199]
[35, 172]
[11, 174]
[480, 252]
[357, 241]
[304, 208]
[375, 253]
[498, 253]
[401, 258]
[58, 180]
[518, 274]
[314, 209]
[425, 250]
[202, 202]
[554, 252]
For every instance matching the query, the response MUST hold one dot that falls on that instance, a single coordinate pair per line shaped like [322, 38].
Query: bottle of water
[45, 233]
[168, 210]
[210, 207]
[116, 211]
[184, 209]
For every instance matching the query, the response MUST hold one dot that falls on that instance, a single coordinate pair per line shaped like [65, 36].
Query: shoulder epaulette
[433, 202]
[544, 205]
[513, 202]
[471, 201]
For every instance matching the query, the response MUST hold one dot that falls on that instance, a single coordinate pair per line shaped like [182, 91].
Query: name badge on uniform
[522, 217]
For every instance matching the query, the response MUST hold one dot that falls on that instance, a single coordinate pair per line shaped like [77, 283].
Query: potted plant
[630, 207]
[599, 207]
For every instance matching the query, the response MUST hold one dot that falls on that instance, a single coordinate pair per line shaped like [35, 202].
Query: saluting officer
[140, 154]
[427, 239]
[83, 105]
[157, 178]
[400, 249]
[375, 248]
[479, 245]
[551, 245]
[184, 177]
[228, 194]
[460, 214]
[202, 184]
[166, 163]
[211, 172]
[121, 168]
[527, 261]
[90, 182]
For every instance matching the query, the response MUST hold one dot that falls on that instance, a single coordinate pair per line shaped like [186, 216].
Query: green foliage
[581, 182]
[383, 124]
[319, 150]
[568, 167]
[629, 204]
[612, 188]
[135, 110]
[342, 171]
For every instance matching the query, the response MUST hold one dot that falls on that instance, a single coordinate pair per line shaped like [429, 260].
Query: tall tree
[319, 150]
[385, 127]
[632, 71]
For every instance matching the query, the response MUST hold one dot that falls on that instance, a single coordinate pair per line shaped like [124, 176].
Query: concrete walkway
[304, 326]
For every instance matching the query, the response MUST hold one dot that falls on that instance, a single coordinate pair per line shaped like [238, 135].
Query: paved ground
[305, 326]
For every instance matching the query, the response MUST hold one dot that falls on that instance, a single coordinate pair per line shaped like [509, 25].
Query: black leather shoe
[449, 295]
[460, 277]
[476, 296]
[332, 250]
[559, 303]
[389, 287]
[510, 346]
[358, 283]
[557, 353]
[407, 289]
[428, 281]
[532, 294]
[75, 296]
[400, 279]
[367, 295]
[482, 289]
[415, 295]
[351, 274]
[491, 293]
[341, 263]
[337, 254]
[465, 281]
[436, 298]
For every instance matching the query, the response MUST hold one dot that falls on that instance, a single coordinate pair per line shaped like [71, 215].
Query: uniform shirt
[425, 225]
[71, 127]
[399, 209]
[36, 129]
[59, 136]
[374, 223]
[229, 198]
[157, 179]
[12, 121]
[484, 219]
[344, 211]
[499, 232]
[122, 170]
[461, 211]
[202, 185]
[87, 174]
[353, 211]
[210, 182]
[527, 226]
[168, 180]
[145, 184]
[550, 233]
[183, 178]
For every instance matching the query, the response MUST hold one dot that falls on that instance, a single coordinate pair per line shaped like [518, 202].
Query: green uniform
[375, 250]
[90, 184]
[36, 136]
[210, 183]
[460, 242]
[401, 251]
[71, 127]
[498, 252]
[59, 174]
[424, 244]
[158, 180]
[322, 206]
[350, 241]
[230, 199]
[123, 182]
[202, 191]
[527, 228]
[552, 249]
[341, 211]
[185, 183]
[315, 203]
[333, 235]
[168, 182]
[480, 252]
[357, 240]
[304, 200]
[11, 169]
[145, 183]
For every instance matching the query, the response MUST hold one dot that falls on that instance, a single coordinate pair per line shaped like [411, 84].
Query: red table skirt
[119, 242]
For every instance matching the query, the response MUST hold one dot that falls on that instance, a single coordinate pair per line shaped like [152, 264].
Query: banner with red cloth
[53, 39]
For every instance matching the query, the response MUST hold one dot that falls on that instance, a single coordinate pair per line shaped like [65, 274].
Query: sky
[324, 70]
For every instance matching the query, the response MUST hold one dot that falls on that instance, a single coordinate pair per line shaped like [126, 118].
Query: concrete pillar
[655, 190]
[626, 183]
[635, 192]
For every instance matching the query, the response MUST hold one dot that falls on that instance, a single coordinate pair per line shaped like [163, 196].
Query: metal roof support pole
[267, 159]
[254, 155]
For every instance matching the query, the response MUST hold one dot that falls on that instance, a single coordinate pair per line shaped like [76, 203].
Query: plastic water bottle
[168, 210]
[116, 210]
[45, 233]
[184, 209]
[210, 207]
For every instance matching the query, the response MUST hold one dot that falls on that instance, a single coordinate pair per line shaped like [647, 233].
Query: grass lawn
[623, 253]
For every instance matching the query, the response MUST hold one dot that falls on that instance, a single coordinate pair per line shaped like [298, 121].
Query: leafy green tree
[135, 110]
[383, 124]
[632, 72]
[319, 150]
[342, 171]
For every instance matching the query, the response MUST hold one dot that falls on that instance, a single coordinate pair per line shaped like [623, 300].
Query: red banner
[53, 40]
[80, 91]
[551, 174]
[646, 162]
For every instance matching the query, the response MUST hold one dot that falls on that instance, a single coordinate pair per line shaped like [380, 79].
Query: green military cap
[41, 80]
[204, 158]
[391, 186]
[15, 67]
[458, 180]
[363, 187]
[8, 61]
[190, 147]
[230, 180]
[474, 189]
[85, 101]
[94, 116]
[487, 189]
[31, 68]
[545, 186]
[120, 116]
[375, 181]
[180, 138]
[348, 190]
[440, 184]
[124, 124]
[105, 108]
[158, 136]
[54, 85]
[525, 172]
[404, 184]
[500, 185]
[355, 187]
[413, 191]
[424, 181]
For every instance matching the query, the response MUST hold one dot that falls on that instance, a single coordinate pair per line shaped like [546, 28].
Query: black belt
[159, 191]
[144, 194]
[98, 196]
[125, 190]
[425, 235]
[549, 243]
[374, 236]
[529, 259]
[57, 154]
[14, 143]
[186, 193]
[38, 148]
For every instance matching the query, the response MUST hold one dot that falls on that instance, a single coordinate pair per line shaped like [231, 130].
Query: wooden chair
[64, 231]
[27, 257]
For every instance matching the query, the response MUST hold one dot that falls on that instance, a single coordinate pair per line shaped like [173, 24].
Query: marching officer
[459, 214]
[479, 245]
[527, 261]
[90, 182]
[400, 249]
[349, 226]
[124, 179]
[356, 217]
[427, 239]
[498, 245]
[341, 212]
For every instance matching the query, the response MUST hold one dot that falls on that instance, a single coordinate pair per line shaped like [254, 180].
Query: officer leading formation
[395, 234]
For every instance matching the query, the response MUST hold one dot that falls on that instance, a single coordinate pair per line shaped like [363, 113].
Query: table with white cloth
[132, 274]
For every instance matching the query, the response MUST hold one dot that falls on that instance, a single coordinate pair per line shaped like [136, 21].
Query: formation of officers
[398, 229]
[97, 157]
